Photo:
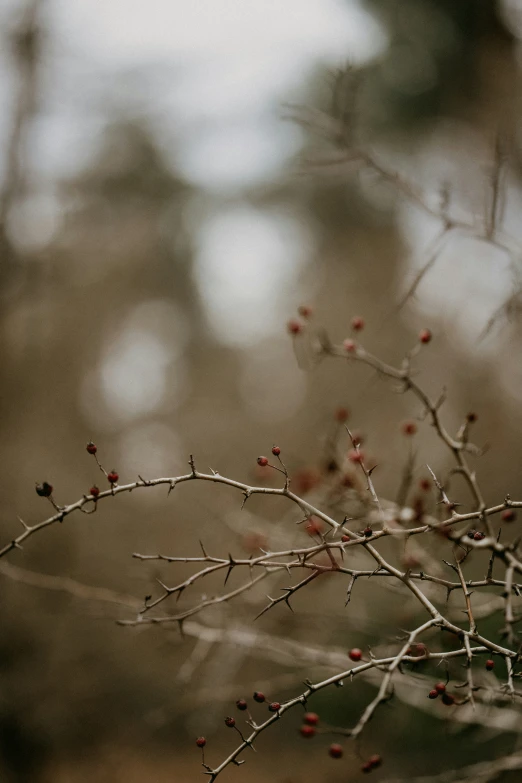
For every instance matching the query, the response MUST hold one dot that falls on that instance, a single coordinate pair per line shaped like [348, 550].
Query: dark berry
[375, 760]
[94, 491]
[425, 484]
[440, 687]
[471, 418]
[479, 536]
[276, 451]
[260, 697]
[508, 515]
[45, 489]
[274, 706]
[345, 538]
[230, 722]
[367, 532]
[433, 694]
[335, 750]
[241, 704]
[91, 447]
[355, 654]
[471, 533]
[201, 742]
[366, 767]
[112, 477]
[448, 699]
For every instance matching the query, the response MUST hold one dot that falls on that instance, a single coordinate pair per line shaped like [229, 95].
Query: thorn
[171, 487]
[246, 494]
[26, 527]
[181, 589]
[231, 566]
[203, 548]
[164, 586]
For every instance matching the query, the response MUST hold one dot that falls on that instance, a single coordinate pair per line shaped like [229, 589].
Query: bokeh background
[173, 184]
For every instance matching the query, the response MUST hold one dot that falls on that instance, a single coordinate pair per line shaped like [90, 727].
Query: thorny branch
[333, 552]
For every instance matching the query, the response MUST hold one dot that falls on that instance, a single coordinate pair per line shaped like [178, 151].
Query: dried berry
[45, 490]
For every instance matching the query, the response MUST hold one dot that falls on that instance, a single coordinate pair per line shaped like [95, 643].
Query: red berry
[91, 447]
[357, 323]
[201, 742]
[262, 461]
[375, 760]
[425, 336]
[448, 699]
[335, 750]
[260, 697]
[490, 664]
[294, 326]
[409, 428]
[508, 515]
[94, 491]
[241, 704]
[355, 455]
[276, 451]
[230, 722]
[314, 526]
[367, 532]
[45, 489]
[311, 718]
[307, 731]
[366, 767]
[355, 654]
[345, 538]
[433, 694]
[112, 477]
[350, 346]
[342, 414]
[305, 311]
[478, 536]
[440, 687]
[425, 484]
[274, 706]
